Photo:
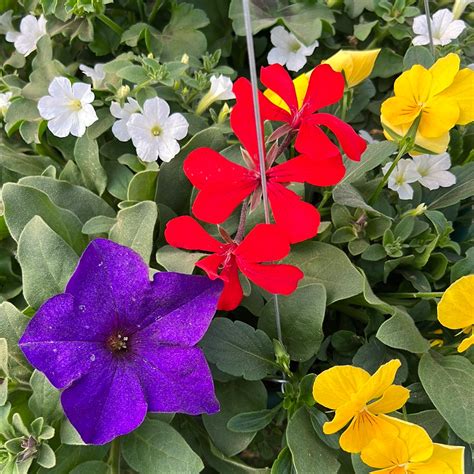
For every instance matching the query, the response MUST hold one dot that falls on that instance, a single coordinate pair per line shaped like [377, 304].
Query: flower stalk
[114, 457]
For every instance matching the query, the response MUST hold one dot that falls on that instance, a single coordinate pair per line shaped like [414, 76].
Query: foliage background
[356, 304]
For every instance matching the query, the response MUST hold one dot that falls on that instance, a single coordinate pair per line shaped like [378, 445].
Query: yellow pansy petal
[392, 399]
[363, 429]
[343, 415]
[390, 470]
[399, 111]
[456, 308]
[462, 91]
[356, 65]
[382, 453]
[466, 344]
[301, 86]
[439, 115]
[418, 442]
[443, 72]
[453, 456]
[380, 381]
[414, 85]
[335, 386]
[430, 467]
[433, 146]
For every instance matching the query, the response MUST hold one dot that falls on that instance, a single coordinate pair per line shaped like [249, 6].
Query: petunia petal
[106, 403]
[62, 341]
[174, 379]
[186, 233]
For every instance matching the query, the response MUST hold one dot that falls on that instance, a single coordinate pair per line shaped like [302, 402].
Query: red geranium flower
[326, 87]
[223, 184]
[264, 243]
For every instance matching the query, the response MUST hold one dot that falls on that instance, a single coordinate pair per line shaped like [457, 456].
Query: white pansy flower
[119, 128]
[433, 170]
[221, 89]
[31, 30]
[97, 74]
[68, 107]
[288, 50]
[4, 103]
[459, 7]
[6, 24]
[443, 27]
[155, 133]
[401, 177]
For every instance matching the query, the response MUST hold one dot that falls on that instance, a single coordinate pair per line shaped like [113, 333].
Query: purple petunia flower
[120, 345]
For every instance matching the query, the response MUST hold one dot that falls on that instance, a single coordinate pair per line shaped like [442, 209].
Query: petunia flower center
[75, 105]
[118, 343]
[156, 131]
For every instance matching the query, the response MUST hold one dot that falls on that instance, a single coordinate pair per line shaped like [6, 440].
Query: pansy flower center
[118, 343]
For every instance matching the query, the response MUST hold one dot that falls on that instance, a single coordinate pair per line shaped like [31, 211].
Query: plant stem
[243, 219]
[402, 150]
[419, 295]
[114, 457]
[110, 23]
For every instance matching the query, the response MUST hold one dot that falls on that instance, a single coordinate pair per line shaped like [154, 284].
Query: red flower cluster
[223, 185]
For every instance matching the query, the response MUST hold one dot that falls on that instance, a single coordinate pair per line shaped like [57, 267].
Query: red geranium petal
[326, 171]
[277, 79]
[275, 278]
[264, 243]
[299, 219]
[232, 294]
[352, 144]
[185, 233]
[242, 117]
[312, 141]
[326, 87]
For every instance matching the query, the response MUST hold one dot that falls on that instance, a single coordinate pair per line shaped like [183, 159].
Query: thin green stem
[110, 23]
[114, 457]
[157, 5]
[418, 295]
[403, 149]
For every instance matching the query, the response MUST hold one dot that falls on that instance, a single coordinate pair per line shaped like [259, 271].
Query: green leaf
[86, 155]
[374, 155]
[388, 64]
[22, 203]
[12, 325]
[47, 262]
[3, 371]
[310, 454]
[349, 196]
[21, 163]
[400, 332]
[283, 464]
[142, 186]
[324, 263]
[177, 260]
[237, 396]
[44, 402]
[69, 457]
[302, 316]
[239, 349]
[418, 55]
[252, 421]
[98, 225]
[91, 467]
[448, 381]
[363, 30]
[155, 444]
[135, 226]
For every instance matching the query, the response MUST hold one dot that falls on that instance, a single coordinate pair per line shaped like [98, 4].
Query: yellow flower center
[75, 105]
[156, 131]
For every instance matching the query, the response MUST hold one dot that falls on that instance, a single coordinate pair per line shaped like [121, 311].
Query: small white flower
[68, 107]
[6, 24]
[459, 7]
[433, 170]
[31, 30]
[443, 27]
[401, 177]
[97, 74]
[288, 50]
[221, 89]
[119, 128]
[4, 103]
[155, 132]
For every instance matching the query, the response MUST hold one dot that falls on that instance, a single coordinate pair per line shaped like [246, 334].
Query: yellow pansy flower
[443, 95]
[412, 452]
[456, 309]
[360, 399]
[356, 65]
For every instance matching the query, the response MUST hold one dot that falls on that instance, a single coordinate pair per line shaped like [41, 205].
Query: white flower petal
[420, 26]
[60, 87]
[120, 130]
[167, 149]
[50, 107]
[277, 56]
[420, 40]
[455, 29]
[296, 61]
[87, 115]
[83, 92]
[176, 126]
[61, 125]
[280, 37]
[156, 109]
[405, 192]
[116, 111]
[147, 151]
[309, 50]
